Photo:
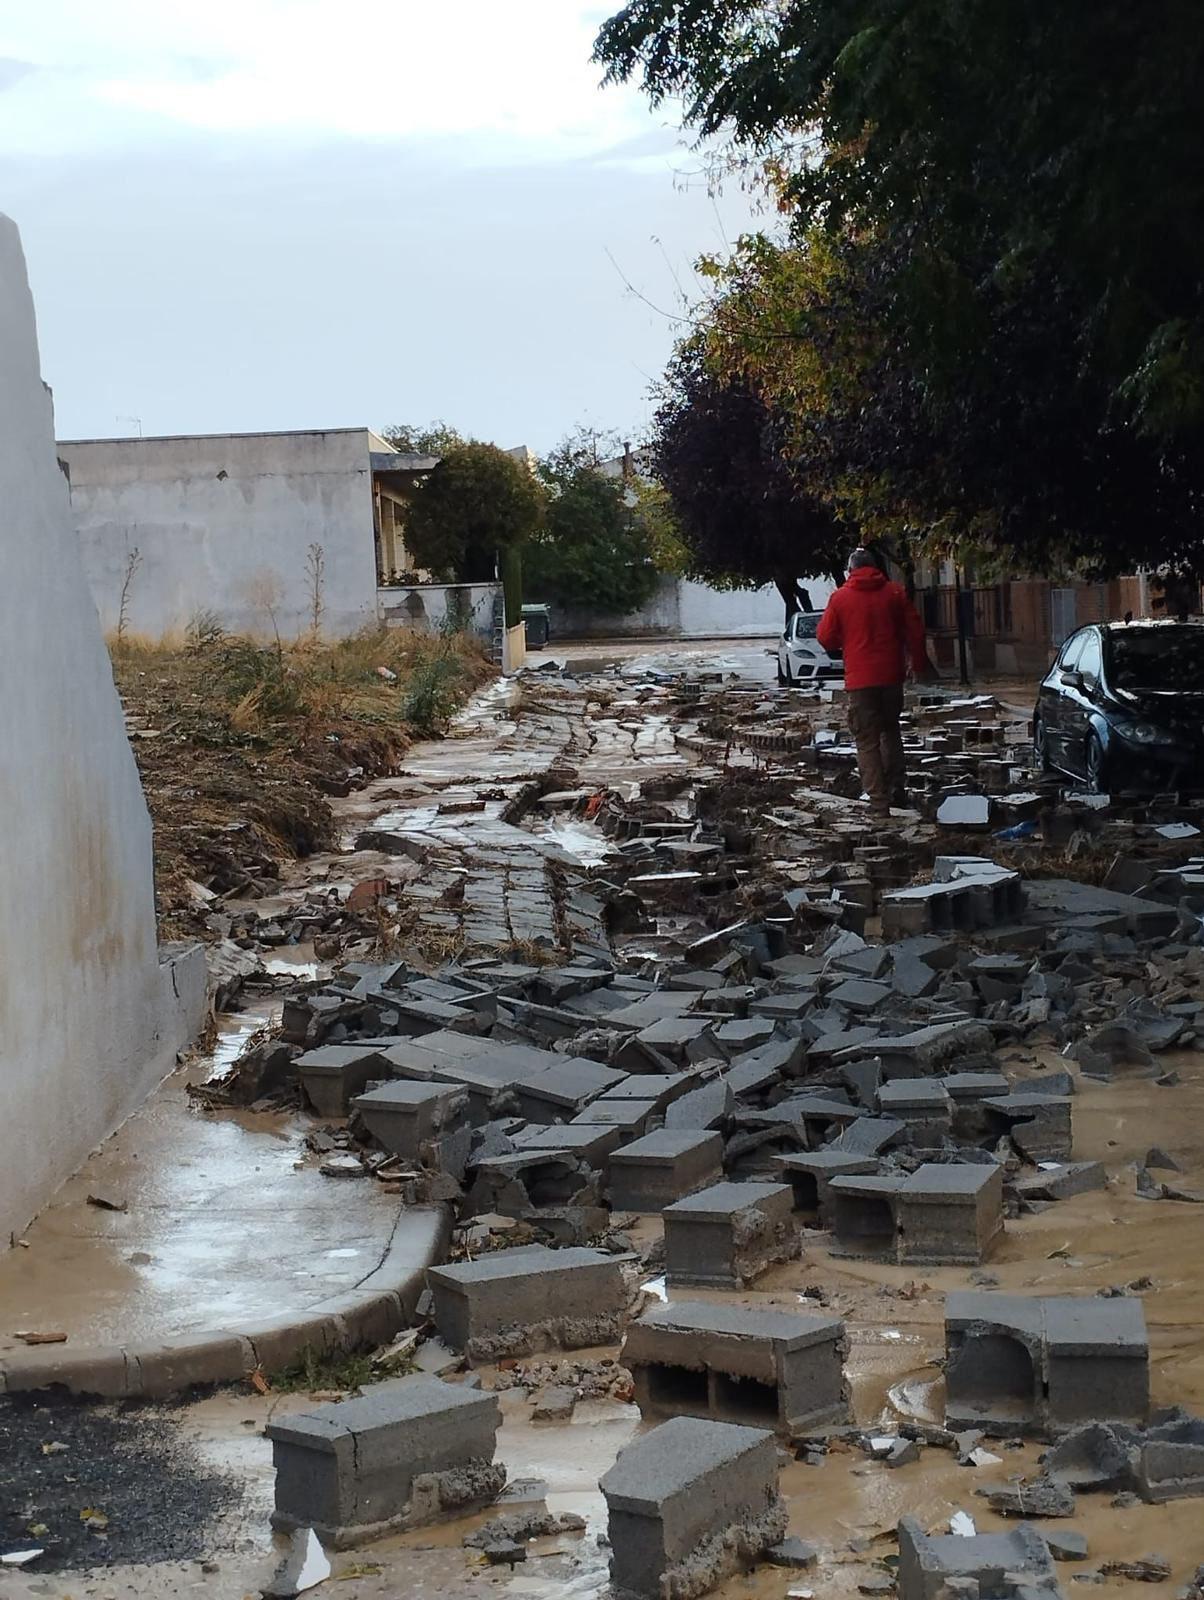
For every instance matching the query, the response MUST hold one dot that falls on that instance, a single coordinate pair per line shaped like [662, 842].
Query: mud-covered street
[636, 894]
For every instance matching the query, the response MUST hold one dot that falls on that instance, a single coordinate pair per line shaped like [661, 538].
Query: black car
[1123, 707]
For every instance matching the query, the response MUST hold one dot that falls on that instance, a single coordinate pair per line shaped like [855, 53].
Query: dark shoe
[899, 798]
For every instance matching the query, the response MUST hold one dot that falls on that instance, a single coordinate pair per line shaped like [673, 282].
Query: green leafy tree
[595, 548]
[436, 439]
[477, 503]
[1017, 353]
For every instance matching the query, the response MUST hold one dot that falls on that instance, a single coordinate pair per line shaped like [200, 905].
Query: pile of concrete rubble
[759, 1019]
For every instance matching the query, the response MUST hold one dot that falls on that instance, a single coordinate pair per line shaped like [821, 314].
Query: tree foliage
[745, 515]
[594, 549]
[477, 502]
[989, 322]
[435, 439]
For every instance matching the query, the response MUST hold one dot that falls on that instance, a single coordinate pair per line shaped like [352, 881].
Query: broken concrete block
[1114, 1051]
[592, 1143]
[939, 1214]
[771, 1369]
[1170, 1462]
[949, 1214]
[689, 1504]
[1038, 1125]
[1042, 1497]
[1016, 1564]
[663, 1167]
[333, 1074]
[808, 1173]
[1038, 1366]
[1061, 1181]
[403, 1454]
[728, 1234]
[923, 1104]
[520, 1301]
[565, 1088]
[406, 1115]
[964, 811]
[708, 1106]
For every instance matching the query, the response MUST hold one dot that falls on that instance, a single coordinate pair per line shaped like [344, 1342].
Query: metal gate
[1063, 615]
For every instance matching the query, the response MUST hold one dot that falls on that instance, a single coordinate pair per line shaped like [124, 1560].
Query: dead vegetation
[241, 746]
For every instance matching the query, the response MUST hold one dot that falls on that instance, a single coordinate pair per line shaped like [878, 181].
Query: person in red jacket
[874, 625]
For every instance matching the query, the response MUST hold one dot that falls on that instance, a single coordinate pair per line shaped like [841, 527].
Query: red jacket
[877, 629]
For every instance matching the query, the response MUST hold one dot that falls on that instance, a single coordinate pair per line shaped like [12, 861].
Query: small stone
[555, 1404]
[504, 1552]
[903, 1452]
[1041, 1498]
[1065, 1544]
[796, 1553]
[1157, 1157]
[1148, 1569]
[875, 1585]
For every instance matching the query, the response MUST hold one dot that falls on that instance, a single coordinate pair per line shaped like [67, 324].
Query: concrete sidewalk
[232, 1251]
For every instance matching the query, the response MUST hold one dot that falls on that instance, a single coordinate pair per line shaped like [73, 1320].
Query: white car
[801, 657]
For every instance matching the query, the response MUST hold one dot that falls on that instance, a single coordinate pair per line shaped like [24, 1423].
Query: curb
[370, 1314]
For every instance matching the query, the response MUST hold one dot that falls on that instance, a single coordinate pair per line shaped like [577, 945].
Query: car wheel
[1041, 747]
[1097, 766]
[785, 676]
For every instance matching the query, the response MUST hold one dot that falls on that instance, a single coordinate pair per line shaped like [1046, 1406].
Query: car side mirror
[1072, 679]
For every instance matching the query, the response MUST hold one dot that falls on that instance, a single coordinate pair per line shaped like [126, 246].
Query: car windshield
[806, 625]
[1158, 658]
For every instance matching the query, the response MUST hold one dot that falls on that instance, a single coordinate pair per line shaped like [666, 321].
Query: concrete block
[996, 1565]
[593, 1143]
[663, 1167]
[708, 1106]
[728, 1234]
[630, 1119]
[662, 1088]
[682, 1039]
[808, 1173]
[1170, 1462]
[769, 1369]
[521, 1301]
[403, 1454]
[333, 1074]
[939, 1214]
[689, 1504]
[949, 1214]
[406, 1115]
[923, 1104]
[1038, 1125]
[565, 1088]
[1038, 1366]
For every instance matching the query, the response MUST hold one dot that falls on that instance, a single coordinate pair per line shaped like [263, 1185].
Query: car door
[1078, 702]
[1050, 701]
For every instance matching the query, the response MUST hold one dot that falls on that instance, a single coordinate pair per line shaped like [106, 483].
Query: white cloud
[513, 75]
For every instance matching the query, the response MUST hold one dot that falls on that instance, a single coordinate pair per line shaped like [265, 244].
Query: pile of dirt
[241, 748]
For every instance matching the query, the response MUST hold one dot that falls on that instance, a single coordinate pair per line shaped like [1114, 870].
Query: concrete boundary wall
[91, 1013]
[228, 524]
[680, 608]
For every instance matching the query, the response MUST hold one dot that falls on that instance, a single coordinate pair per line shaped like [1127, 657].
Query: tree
[1015, 197]
[478, 501]
[594, 549]
[744, 514]
[436, 439]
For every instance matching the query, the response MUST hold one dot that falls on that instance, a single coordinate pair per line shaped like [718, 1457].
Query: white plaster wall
[90, 1019]
[682, 609]
[224, 524]
[425, 606]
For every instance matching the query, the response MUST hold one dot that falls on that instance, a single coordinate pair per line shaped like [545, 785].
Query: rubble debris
[514, 1527]
[729, 1233]
[1018, 1365]
[1039, 1497]
[304, 1566]
[763, 1368]
[689, 1504]
[519, 1301]
[404, 1453]
[1017, 1563]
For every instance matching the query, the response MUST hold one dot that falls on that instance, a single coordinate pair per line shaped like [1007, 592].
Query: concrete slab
[729, 1233]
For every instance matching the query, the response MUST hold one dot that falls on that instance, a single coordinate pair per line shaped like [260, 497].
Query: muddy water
[226, 1217]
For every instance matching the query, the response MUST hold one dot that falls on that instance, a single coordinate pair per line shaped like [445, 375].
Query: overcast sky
[245, 214]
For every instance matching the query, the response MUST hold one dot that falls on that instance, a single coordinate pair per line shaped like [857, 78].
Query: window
[1071, 651]
[804, 625]
[1090, 661]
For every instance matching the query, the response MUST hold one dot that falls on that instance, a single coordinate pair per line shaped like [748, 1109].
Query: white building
[263, 530]
[91, 1012]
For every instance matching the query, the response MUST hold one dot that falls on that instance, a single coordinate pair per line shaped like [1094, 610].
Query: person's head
[862, 557]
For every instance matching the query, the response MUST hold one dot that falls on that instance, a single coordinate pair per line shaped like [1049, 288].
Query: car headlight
[1143, 733]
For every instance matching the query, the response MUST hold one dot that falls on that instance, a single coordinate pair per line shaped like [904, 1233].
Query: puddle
[234, 1029]
[587, 845]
